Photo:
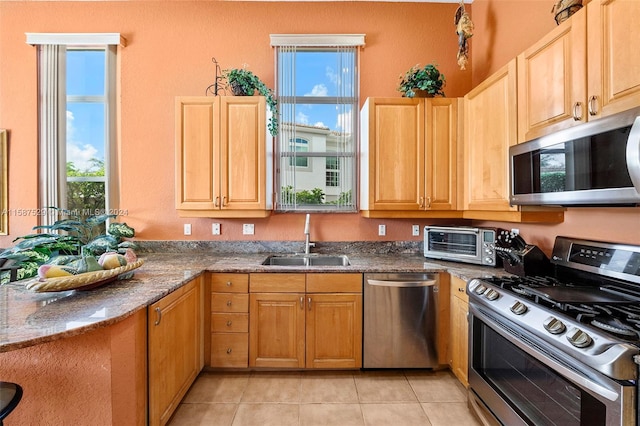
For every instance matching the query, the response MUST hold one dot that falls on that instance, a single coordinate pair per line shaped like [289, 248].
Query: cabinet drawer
[277, 283]
[229, 323]
[229, 302]
[334, 283]
[230, 350]
[230, 283]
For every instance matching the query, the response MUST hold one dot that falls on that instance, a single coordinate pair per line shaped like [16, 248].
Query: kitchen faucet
[307, 244]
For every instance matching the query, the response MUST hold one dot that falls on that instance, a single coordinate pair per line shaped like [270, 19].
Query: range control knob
[491, 294]
[519, 308]
[479, 289]
[579, 338]
[554, 325]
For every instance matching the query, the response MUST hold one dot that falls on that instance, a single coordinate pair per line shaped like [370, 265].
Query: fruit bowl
[85, 281]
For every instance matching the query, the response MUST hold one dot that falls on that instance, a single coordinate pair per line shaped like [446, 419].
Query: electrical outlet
[382, 230]
[187, 229]
[215, 229]
[415, 230]
[248, 229]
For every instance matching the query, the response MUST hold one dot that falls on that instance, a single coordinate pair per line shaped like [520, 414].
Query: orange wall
[169, 51]
[95, 378]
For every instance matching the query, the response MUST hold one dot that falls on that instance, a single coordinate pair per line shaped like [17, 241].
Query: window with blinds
[317, 93]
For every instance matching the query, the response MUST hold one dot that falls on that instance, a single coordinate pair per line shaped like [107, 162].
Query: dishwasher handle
[389, 283]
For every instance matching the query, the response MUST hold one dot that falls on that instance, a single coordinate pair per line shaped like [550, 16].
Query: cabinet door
[490, 128]
[197, 153]
[459, 341]
[175, 349]
[334, 330]
[276, 330]
[613, 34]
[552, 79]
[441, 153]
[243, 152]
[394, 154]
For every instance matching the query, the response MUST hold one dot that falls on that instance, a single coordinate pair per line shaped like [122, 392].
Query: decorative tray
[85, 281]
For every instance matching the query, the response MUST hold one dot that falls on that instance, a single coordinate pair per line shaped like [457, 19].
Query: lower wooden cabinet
[305, 320]
[174, 328]
[229, 320]
[459, 337]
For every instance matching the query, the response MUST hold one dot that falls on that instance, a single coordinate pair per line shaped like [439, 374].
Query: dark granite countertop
[28, 318]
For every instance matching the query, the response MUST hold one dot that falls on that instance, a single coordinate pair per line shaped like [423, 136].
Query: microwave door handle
[633, 154]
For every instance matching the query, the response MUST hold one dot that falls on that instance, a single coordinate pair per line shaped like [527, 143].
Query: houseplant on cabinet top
[427, 79]
[243, 82]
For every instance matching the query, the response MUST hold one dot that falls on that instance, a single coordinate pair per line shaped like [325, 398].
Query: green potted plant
[426, 79]
[243, 82]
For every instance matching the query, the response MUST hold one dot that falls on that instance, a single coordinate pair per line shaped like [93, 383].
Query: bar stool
[10, 396]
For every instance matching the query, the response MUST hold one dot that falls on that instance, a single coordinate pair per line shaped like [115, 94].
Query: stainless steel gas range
[561, 349]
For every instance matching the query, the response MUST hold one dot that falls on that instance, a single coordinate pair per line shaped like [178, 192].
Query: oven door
[515, 378]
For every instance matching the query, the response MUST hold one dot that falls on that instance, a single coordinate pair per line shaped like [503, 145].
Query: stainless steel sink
[307, 260]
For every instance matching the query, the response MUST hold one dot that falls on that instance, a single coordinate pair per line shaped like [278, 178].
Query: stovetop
[611, 309]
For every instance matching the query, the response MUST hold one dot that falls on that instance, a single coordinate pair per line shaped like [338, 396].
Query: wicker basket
[564, 9]
[85, 281]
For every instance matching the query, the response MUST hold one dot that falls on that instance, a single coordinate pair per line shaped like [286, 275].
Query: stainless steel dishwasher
[400, 320]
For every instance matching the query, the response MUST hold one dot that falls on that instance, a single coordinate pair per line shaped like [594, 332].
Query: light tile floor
[305, 398]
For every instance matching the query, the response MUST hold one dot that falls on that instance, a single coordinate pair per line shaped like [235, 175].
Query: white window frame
[311, 41]
[53, 120]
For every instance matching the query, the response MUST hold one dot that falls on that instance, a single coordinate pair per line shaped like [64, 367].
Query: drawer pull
[228, 283]
[228, 350]
[229, 323]
[461, 289]
[229, 303]
[158, 316]
[309, 300]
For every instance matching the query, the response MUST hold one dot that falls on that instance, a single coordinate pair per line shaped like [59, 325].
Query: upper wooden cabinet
[490, 128]
[221, 157]
[409, 157]
[582, 70]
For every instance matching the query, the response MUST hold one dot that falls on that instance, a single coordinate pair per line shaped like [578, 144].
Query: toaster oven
[461, 244]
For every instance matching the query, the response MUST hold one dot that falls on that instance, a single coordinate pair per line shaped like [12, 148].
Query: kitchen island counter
[28, 318]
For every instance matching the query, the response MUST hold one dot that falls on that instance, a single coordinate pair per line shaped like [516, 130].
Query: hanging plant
[242, 82]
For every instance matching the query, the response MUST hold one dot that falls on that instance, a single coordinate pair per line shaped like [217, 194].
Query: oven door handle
[588, 383]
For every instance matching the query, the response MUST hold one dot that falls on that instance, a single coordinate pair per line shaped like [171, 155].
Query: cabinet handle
[593, 105]
[216, 203]
[229, 323]
[229, 284]
[301, 302]
[158, 316]
[229, 303]
[577, 111]
[224, 201]
[309, 302]
[421, 202]
[228, 350]
[461, 289]
[429, 202]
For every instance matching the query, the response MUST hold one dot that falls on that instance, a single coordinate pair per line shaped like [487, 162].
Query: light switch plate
[215, 229]
[382, 230]
[187, 229]
[415, 230]
[248, 229]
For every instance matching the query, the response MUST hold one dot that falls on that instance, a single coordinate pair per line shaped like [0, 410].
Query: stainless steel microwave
[596, 163]
[461, 244]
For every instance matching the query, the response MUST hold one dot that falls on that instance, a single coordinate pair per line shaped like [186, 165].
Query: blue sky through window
[85, 120]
